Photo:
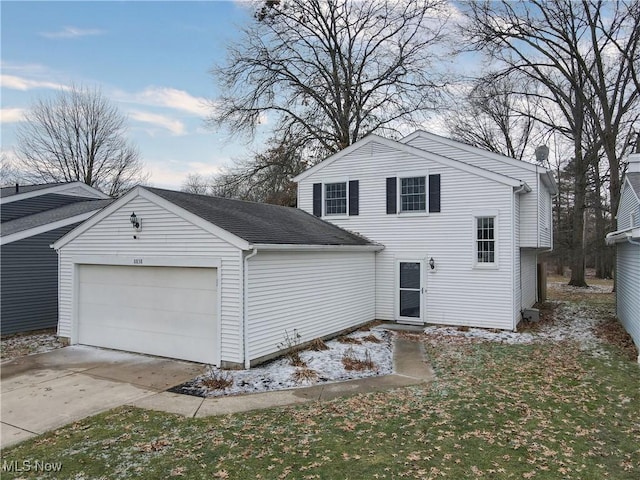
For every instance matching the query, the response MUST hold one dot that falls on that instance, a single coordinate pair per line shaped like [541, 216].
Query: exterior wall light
[136, 222]
[432, 263]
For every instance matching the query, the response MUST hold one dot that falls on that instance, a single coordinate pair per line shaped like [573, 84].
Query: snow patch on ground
[20, 345]
[571, 322]
[279, 374]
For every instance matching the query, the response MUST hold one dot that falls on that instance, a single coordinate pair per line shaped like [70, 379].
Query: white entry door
[165, 311]
[410, 303]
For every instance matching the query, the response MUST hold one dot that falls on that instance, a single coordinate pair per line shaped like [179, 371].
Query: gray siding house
[32, 218]
[627, 241]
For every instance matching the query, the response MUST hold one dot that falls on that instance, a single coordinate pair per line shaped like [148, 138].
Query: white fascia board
[60, 189]
[30, 232]
[463, 146]
[219, 232]
[549, 181]
[308, 248]
[417, 152]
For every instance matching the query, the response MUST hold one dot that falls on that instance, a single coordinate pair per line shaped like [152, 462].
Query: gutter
[339, 248]
[630, 234]
[245, 304]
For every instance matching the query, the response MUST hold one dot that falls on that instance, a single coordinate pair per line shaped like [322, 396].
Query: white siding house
[627, 241]
[210, 280]
[461, 227]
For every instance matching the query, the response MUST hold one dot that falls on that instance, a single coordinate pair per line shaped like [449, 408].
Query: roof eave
[618, 236]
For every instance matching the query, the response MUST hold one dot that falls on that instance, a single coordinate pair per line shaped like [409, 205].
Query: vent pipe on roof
[17, 188]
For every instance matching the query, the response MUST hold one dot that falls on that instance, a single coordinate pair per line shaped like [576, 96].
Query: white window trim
[335, 216]
[412, 213]
[474, 223]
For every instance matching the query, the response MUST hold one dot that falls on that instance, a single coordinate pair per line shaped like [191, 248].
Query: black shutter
[434, 193]
[391, 195]
[354, 193]
[317, 199]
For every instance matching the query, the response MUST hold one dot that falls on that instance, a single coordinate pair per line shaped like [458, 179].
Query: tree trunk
[577, 234]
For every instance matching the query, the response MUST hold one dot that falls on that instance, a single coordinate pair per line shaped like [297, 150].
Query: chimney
[634, 163]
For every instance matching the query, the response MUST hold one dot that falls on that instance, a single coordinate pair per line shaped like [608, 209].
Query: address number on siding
[137, 261]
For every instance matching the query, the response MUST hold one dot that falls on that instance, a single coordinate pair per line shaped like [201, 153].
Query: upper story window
[335, 198]
[485, 240]
[413, 194]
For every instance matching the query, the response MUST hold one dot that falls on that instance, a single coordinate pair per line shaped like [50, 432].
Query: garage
[164, 311]
[208, 279]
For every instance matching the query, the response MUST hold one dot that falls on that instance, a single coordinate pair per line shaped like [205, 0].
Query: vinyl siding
[628, 289]
[163, 234]
[544, 217]
[529, 202]
[629, 205]
[29, 272]
[529, 272]
[316, 293]
[447, 236]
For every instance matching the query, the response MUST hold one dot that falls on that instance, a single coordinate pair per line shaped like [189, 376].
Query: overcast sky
[151, 59]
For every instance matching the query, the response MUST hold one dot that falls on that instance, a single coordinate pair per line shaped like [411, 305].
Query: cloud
[168, 97]
[72, 32]
[176, 127]
[19, 83]
[12, 115]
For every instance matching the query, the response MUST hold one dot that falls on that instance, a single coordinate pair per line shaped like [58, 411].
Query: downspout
[245, 304]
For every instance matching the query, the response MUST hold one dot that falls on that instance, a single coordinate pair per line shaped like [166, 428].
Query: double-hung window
[335, 198]
[413, 194]
[485, 240]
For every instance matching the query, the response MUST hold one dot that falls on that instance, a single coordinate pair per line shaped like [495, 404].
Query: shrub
[217, 381]
[352, 362]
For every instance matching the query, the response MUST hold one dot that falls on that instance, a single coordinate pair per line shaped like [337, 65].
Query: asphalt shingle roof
[262, 223]
[9, 191]
[53, 215]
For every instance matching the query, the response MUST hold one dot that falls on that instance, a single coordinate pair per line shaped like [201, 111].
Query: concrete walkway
[45, 391]
[409, 365]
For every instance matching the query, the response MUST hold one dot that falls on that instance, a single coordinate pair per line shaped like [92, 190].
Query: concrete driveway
[48, 390]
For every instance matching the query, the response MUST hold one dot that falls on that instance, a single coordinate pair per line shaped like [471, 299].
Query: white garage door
[165, 311]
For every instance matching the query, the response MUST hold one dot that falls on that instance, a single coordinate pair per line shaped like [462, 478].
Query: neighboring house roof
[262, 223]
[498, 177]
[78, 189]
[8, 191]
[34, 205]
[244, 224]
[41, 222]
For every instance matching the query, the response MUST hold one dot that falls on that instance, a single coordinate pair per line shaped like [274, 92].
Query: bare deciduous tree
[328, 73]
[78, 136]
[496, 116]
[585, 56]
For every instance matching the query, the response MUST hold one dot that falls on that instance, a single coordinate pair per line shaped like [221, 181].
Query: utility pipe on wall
[245, 307]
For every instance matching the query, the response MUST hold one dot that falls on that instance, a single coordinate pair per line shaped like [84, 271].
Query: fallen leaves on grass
[612, 332]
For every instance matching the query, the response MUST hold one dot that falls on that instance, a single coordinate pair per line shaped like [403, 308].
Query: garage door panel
[152, 298]
[166, 311]
[138, 320]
